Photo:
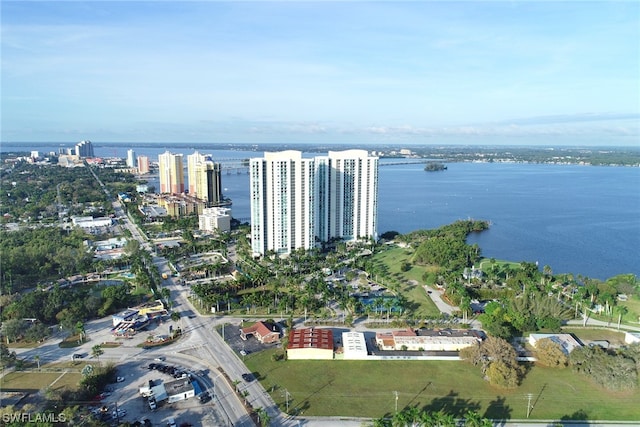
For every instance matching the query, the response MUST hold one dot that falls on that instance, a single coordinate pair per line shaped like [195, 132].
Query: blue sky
[418, 72]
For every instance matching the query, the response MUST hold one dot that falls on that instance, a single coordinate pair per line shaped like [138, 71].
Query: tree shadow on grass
[498, 410]
[579, 415]
[452, 404]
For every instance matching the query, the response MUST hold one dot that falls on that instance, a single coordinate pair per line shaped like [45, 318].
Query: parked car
[119, 413]
[160, 359]
[171, 422]
[120, 379]
[204, 397]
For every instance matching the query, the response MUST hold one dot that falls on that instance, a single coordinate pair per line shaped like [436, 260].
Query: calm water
[576, 219]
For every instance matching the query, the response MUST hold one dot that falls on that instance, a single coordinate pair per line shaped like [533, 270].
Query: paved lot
[126, 396]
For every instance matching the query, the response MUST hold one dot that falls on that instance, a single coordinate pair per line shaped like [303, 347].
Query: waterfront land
[338, 286]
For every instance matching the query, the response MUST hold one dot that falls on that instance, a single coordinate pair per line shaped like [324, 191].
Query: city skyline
[500, 73]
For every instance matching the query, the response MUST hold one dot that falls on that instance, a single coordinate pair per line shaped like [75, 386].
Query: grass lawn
[366, 389]
[34, 381]
[596, 334]
[408, 282]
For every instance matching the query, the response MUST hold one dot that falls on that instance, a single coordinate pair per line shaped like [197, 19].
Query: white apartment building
[299, 203]
[213, 219]
[131, 158]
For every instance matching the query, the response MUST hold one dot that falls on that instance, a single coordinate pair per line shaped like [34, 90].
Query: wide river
[576, 219]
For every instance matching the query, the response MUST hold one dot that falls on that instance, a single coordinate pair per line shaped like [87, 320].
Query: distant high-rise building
[84, 149]
[171, 172]
[143, 165]
[204, 178]
[131, 158]
[301, 202]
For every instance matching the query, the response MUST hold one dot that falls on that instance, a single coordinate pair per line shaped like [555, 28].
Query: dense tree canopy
[32, 256]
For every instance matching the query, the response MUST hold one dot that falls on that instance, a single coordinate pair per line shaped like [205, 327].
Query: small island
[435, 167]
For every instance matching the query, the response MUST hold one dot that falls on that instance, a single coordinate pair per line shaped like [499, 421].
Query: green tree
[550, 353]
[97, 351]
[13, 329]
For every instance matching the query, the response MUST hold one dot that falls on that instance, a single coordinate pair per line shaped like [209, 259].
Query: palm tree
[622, 310]
[465, 306]
[388, 305]
[80, 330]
[472, 419]
[176, 317]
[263, 417]
[97, 351]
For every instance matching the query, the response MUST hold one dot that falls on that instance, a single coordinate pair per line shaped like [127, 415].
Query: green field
[367, 389]
[34, 381]
[408, 283]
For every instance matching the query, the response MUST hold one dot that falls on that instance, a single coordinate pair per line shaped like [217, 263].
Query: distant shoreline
[569, 155]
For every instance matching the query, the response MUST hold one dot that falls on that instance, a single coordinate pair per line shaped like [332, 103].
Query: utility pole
[529, 407]
[286, 397]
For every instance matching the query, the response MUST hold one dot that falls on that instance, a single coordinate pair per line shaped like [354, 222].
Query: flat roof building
[213, 219]
[354, 345]
[428, 340]
[566, 341]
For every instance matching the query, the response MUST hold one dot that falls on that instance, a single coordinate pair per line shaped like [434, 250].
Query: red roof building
[266, 333]
[310, 343]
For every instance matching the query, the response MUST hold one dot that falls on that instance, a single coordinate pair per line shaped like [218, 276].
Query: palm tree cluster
[414, 417]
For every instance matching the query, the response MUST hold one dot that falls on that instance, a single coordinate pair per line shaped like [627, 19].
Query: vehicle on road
[120, 379]
[247, 377]
[204, 397]
[171, 422]
[160, 359]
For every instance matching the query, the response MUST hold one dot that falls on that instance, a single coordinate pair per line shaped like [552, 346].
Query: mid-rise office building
[301, 203]
[171, 173]
[204, 178]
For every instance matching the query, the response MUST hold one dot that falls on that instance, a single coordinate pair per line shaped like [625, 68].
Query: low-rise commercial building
[566, 341]
[354, 346]
[264, 332]
[310, 344]
[428, 340]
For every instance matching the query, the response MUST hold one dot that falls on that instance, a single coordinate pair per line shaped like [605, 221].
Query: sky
[414, 72]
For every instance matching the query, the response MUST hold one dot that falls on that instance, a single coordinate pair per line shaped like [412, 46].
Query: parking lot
[133, 407]
[248, 346]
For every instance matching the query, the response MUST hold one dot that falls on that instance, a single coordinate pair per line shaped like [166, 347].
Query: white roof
[354, 345]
